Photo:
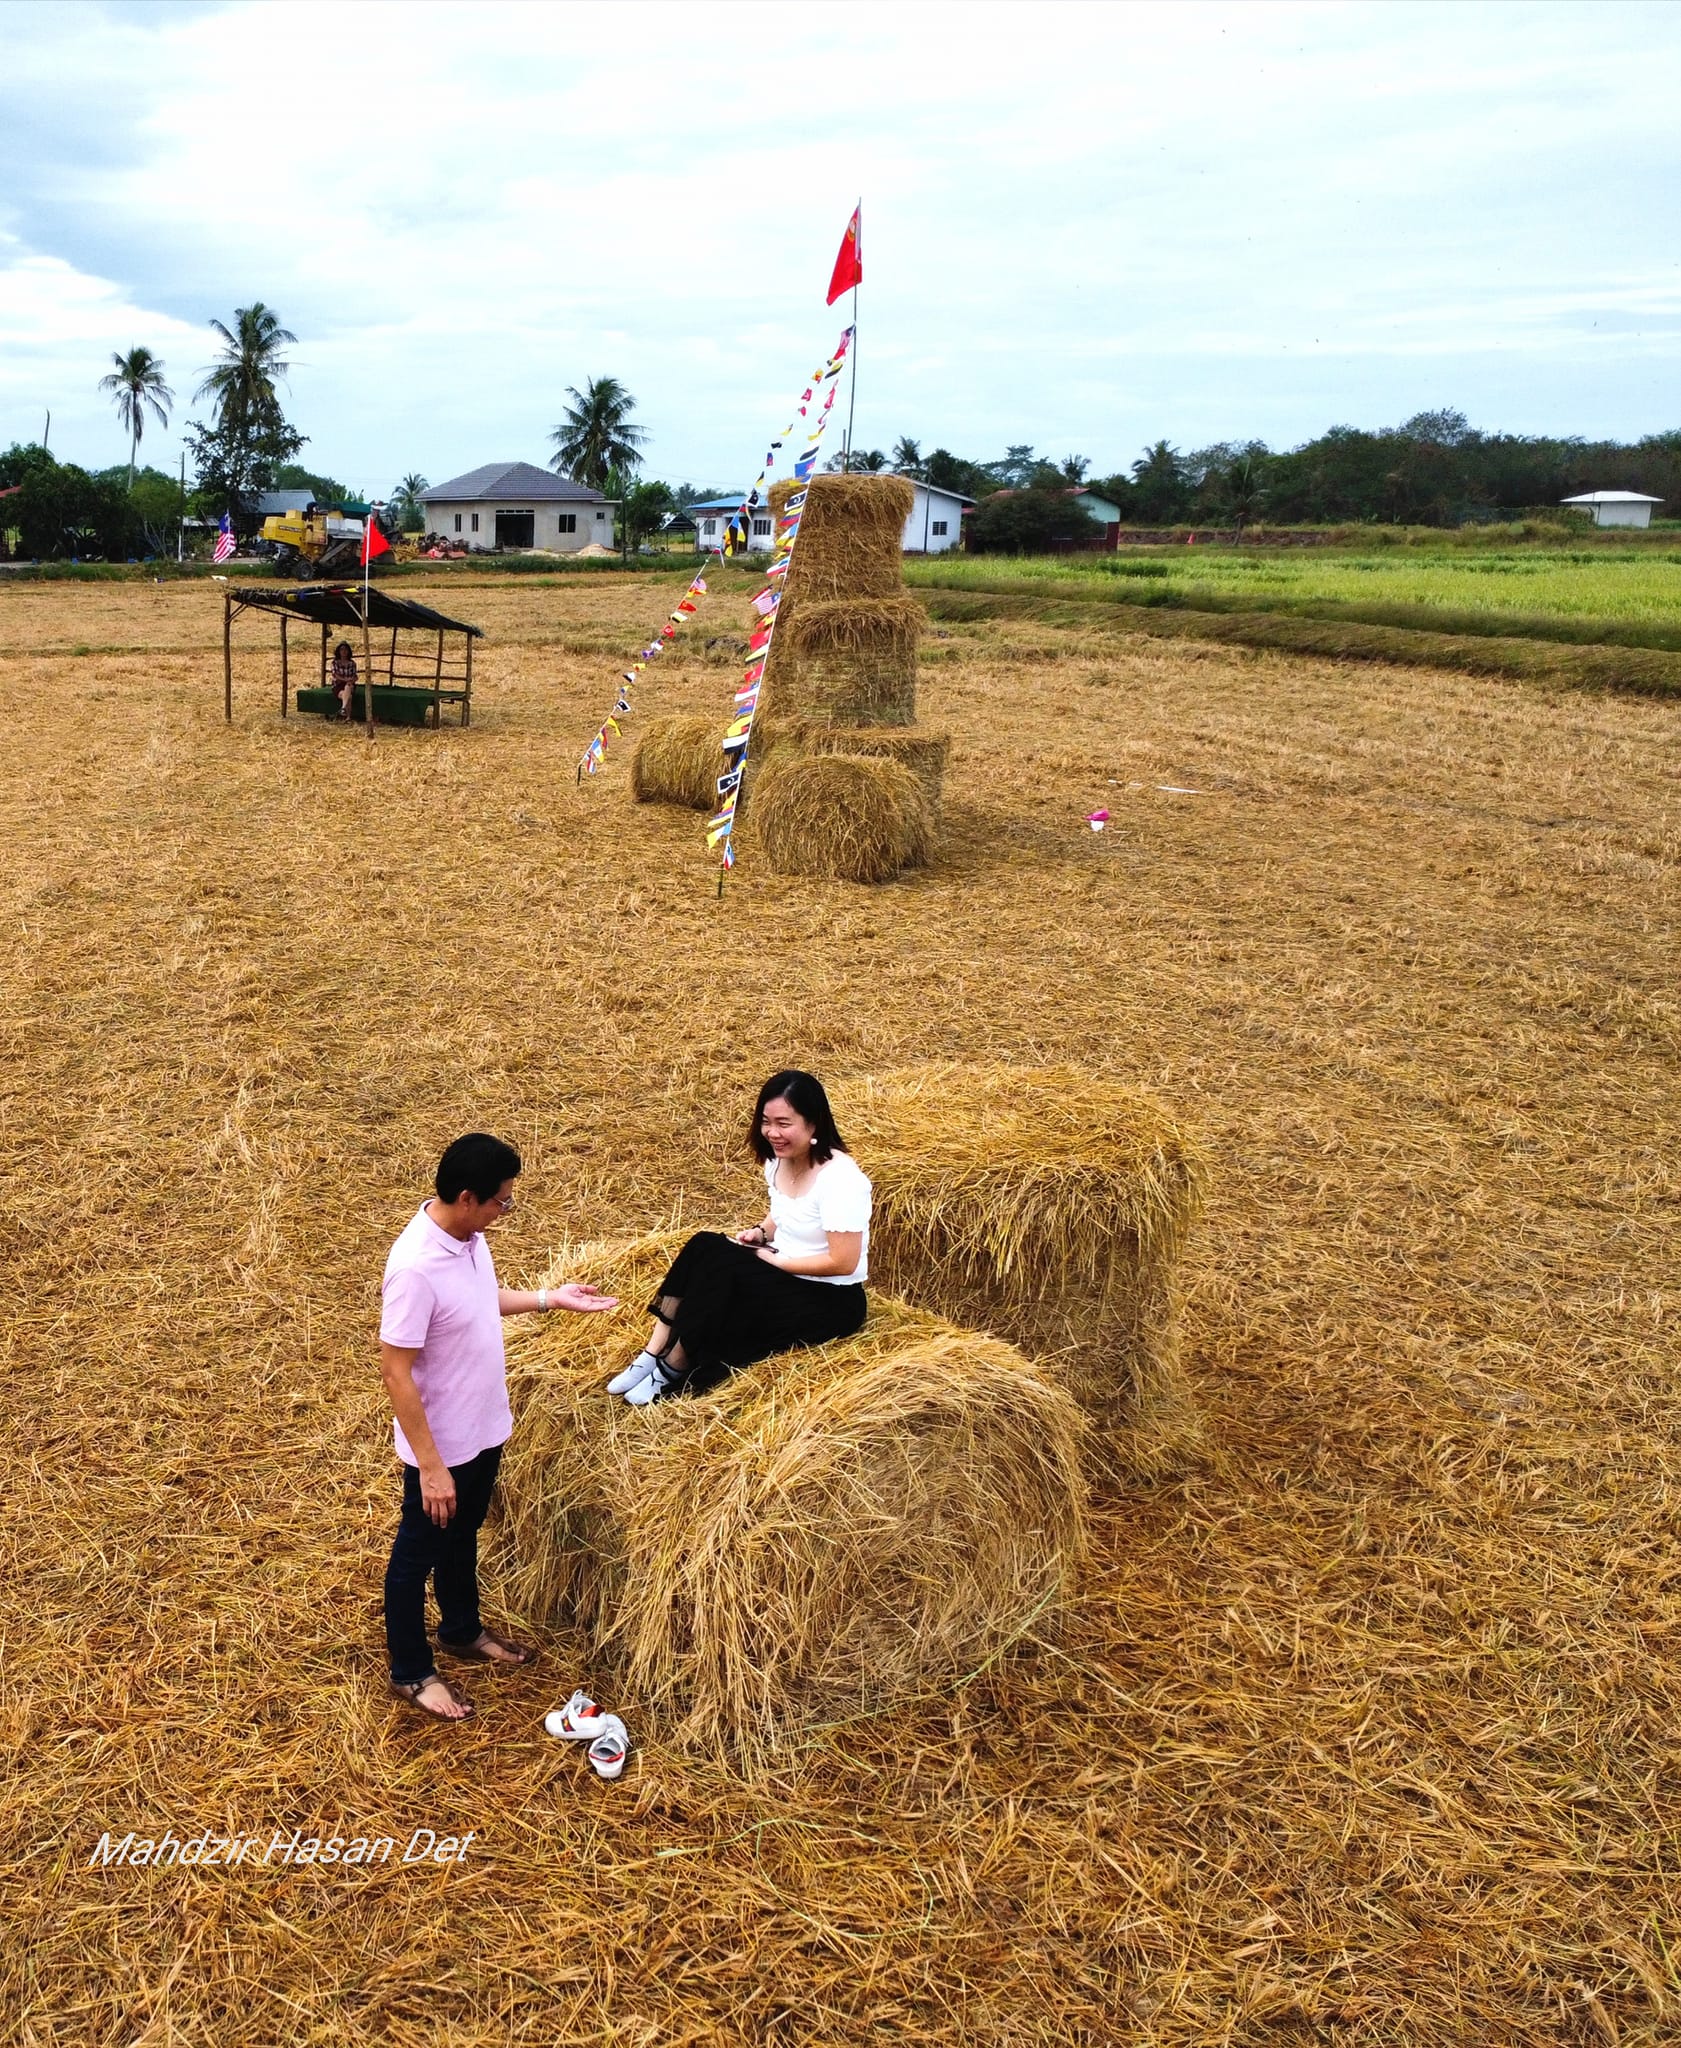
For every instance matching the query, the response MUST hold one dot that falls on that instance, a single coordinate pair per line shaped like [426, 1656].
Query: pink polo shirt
[440, 1299]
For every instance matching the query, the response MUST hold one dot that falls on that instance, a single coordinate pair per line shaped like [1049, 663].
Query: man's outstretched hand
[579, 1295]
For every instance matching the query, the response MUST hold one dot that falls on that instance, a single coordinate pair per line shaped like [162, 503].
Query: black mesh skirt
[734, 1307]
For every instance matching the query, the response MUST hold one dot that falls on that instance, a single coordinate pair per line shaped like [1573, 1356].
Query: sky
[1085, 226]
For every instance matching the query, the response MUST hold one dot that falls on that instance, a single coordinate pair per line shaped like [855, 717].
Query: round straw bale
[834, 1530]
[1051, 1205]
[678, 761]
[841, 816]
[852, 535]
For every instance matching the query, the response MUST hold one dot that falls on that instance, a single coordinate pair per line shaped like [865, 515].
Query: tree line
[1434, 469]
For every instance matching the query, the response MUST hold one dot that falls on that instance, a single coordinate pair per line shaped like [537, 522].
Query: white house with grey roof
[1616, 508]
[516, 505]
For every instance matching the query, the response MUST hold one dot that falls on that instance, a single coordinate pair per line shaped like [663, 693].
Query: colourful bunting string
[687, 605]
[738, 735]
[738, 528]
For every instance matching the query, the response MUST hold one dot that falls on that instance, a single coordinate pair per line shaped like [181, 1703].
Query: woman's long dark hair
[803, 1094]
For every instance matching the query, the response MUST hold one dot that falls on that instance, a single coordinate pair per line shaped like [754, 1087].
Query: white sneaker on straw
[580, 1720]
[609, 1750]
[649, 1389]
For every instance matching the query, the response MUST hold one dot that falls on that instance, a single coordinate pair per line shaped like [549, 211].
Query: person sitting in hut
[795, 1278]
[344, 676]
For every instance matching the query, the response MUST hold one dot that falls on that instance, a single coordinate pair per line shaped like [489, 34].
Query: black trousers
[449, 1557]
[734, 1308]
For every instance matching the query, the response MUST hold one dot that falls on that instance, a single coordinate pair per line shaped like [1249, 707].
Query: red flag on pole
[374, 543]
[849, 264]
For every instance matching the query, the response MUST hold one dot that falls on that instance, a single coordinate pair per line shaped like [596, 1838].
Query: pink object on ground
[441, 1300]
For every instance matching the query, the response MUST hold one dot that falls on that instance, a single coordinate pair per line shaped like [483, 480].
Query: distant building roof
[717, 505]
[1611, 498]
[518, 480]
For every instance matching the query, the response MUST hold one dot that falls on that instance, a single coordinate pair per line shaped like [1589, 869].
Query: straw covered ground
[1361, 1731]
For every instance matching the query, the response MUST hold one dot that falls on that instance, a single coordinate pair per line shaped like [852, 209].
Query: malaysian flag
[224, 539]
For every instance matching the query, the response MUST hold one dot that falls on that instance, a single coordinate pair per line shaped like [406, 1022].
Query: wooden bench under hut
[406, 651]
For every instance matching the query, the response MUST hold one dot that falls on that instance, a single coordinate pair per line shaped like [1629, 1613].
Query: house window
[458, 522]
[566, 522]
[475, 522]
[761, 526]
[710, 528]
[939, 526]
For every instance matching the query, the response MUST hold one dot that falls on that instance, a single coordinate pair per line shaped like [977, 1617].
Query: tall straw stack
[845, 648]
[1050, 1205]
[841, 817]
[829, 1533]
[677, 761]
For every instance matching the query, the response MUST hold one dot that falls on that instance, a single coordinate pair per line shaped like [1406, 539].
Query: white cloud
[1079, 220]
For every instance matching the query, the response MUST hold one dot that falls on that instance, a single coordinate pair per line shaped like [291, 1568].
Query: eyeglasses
[502, 1202]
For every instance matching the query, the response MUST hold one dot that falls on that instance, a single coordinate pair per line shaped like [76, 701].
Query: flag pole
[367, 651]
[852, 389]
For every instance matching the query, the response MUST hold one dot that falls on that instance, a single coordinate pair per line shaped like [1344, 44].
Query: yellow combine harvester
[314, 543]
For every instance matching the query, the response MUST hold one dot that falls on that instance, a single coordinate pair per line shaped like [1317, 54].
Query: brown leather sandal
[412, 1691]
[483, 1650]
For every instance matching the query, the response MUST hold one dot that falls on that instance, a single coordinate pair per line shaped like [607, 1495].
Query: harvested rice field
[1361, 1730]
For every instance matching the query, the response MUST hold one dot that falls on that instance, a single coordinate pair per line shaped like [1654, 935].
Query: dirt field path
[1363, 1732]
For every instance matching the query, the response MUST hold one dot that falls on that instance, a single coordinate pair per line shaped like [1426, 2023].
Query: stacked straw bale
[677, 761]
[847, 661]
[851, 537]
[830, 1532]
[1049, 1205]
[841, 816]
[923, 752]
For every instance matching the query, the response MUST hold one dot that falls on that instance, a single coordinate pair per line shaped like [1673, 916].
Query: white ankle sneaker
[580, 1720]
[649, 1389]
[607, 1753]
[638, 1369]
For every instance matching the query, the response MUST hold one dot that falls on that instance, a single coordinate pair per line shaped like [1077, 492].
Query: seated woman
[796, 1278]
[344, 676]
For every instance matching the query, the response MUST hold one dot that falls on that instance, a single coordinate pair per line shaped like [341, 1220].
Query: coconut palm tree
[242, 379]
[907, 457]
[135, 383]
[405, 500]
[596, 435]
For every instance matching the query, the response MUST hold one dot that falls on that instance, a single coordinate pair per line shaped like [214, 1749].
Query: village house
[935, 522]
[1101, 511]
[515, 505]
[1616, 508]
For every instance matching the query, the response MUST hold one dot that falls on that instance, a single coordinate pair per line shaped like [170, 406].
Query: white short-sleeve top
[837, 1197]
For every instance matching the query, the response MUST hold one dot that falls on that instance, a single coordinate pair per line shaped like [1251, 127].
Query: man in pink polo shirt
[440, 1352]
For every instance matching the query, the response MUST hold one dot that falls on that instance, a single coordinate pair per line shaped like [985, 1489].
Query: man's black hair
[803, 1094]
[478, 1163]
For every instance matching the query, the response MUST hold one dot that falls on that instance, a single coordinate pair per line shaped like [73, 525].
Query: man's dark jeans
[448, 1556]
